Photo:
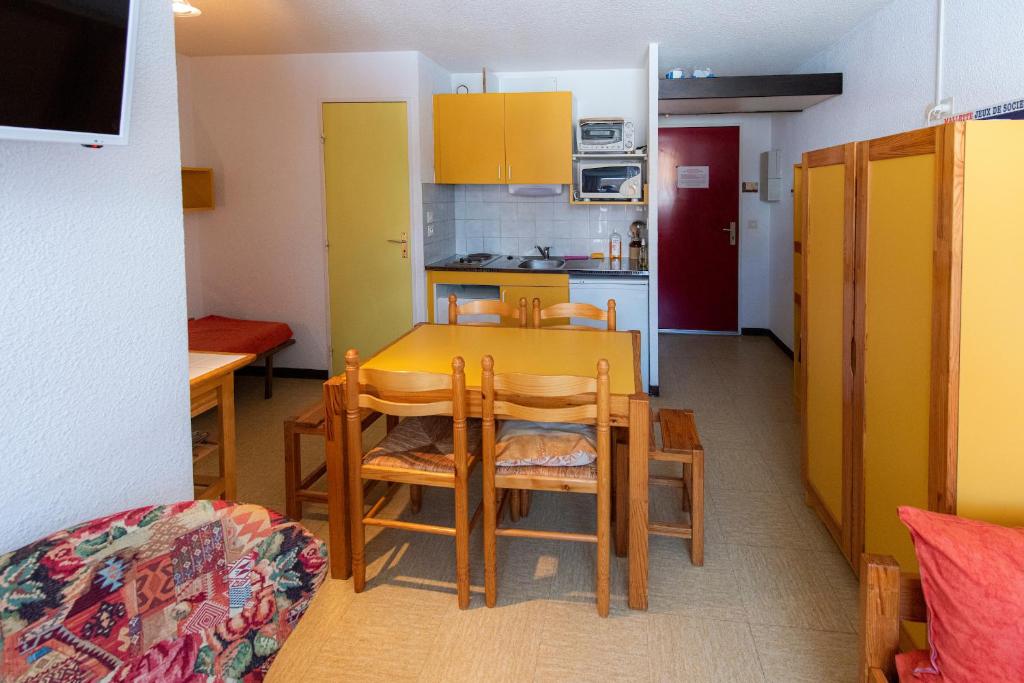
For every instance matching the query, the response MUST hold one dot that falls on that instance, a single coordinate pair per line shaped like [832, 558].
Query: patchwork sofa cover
[194, 591]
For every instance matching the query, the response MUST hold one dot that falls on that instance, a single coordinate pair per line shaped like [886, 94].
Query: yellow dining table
[430, 348]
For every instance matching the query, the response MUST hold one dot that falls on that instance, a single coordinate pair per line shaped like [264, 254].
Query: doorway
[698, 229]
[366, 182]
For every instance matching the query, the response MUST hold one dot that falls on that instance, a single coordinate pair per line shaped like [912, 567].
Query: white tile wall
[438, 222]
[488, 218]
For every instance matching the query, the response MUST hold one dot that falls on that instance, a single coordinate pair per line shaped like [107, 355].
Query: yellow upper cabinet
[469, 139]
[538, 137]
[485, 138]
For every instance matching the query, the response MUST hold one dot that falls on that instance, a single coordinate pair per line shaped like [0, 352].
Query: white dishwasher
[630, 294]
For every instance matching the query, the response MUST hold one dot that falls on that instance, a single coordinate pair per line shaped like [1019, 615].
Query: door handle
[405, 245]
[732, 233]
[499, 171]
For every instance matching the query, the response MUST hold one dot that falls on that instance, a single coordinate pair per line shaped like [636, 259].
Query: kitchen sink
[541, 263]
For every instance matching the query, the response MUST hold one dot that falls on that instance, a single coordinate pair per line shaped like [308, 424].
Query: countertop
[510, 264]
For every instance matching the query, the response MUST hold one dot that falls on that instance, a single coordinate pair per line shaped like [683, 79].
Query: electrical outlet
[430, 230]
[939, 112]
[430, 216]
[752, 225]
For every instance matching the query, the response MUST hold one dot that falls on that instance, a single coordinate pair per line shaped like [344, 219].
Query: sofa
[198, 590]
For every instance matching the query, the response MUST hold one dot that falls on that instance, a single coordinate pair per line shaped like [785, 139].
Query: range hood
[746, 94]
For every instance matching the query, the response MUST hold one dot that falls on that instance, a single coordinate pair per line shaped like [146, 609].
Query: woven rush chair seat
[578, 472]
[422, 443]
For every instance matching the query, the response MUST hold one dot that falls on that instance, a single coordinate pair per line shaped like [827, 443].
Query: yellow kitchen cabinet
[501, 138]
[556, 293]
[550, 288]
[469, 138]
[538, 137]
[828, 187]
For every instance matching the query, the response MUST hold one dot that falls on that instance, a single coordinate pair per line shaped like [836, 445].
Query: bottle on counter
[615, 247]
[634, 243]
[643, 254]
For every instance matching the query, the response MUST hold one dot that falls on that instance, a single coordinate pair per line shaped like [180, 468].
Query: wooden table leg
[639, 437]
[340, 535]
[226, 418]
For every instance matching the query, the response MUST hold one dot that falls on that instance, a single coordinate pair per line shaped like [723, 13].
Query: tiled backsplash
[438, 222]
[488, 218]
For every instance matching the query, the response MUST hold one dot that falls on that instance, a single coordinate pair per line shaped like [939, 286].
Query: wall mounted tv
[66, 70]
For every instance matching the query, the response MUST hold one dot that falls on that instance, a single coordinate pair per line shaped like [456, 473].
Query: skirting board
[290, 373]
[765, 332]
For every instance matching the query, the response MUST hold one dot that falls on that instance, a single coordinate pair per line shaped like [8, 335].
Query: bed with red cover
[233, 335]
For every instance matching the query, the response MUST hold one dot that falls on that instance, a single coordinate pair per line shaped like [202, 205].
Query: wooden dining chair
[486, 307]
[573, 310]
[545, 398]
[434, 445]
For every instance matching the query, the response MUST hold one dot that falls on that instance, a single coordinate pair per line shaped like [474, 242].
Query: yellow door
[899, 230]
[469, 139]
[366, 173]
[827, 325]
[538, 137]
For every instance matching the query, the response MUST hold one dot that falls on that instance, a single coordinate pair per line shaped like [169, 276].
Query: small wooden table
[211, 382]
[430, 348]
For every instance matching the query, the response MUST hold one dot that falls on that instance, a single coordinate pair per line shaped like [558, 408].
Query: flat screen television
[66, 70]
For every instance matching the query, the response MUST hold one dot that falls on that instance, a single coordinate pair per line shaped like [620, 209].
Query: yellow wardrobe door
[469, 139]
[825, 310]
[538, 137]
[898, 230]
[798, 220]
[369, 276]
[990, 471]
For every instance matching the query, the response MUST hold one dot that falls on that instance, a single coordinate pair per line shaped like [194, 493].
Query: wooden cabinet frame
[842, 530]
[947, 144]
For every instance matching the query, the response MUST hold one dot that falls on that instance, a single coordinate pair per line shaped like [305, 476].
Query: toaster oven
[606, 179]
[605, 134]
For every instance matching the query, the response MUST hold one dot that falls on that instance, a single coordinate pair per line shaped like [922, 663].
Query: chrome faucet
[544, 251]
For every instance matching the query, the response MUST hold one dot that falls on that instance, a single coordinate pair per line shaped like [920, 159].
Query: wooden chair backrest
[574, 310]
[486, 307]
[404, 394]
[536, 397]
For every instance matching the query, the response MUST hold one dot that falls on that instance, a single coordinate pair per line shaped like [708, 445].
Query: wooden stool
[680, 443]
[298, 490]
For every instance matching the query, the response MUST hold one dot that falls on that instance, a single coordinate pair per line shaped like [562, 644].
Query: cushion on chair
[192, 591]
[549, 444]
[424, 444]
[972, 575]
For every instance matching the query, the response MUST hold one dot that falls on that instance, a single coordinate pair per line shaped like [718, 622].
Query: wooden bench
[299, 489]
[680, 443]
[888, 597]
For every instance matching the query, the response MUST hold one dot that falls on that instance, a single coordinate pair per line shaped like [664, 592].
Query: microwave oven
[604, 134]
[607, 179]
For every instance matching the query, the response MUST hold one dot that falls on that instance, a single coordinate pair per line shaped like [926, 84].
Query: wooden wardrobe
[912, 314]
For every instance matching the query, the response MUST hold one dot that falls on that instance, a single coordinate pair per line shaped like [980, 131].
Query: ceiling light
[184, 8]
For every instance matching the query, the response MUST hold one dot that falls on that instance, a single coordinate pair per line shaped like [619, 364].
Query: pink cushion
[972, 574]
[910, 666]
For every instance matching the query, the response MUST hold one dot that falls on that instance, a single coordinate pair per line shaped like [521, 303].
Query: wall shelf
[197, 189]
[606, 202]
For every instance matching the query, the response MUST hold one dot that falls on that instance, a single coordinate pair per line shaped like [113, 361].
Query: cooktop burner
[473, 260]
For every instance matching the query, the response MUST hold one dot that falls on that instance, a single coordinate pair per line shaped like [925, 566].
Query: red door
[698, 228]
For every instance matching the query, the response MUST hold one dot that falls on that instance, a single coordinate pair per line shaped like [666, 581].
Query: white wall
[256, 121]
[755, 137]
[888, 65]
[95, 415]
[193, 221]
[596, 92]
